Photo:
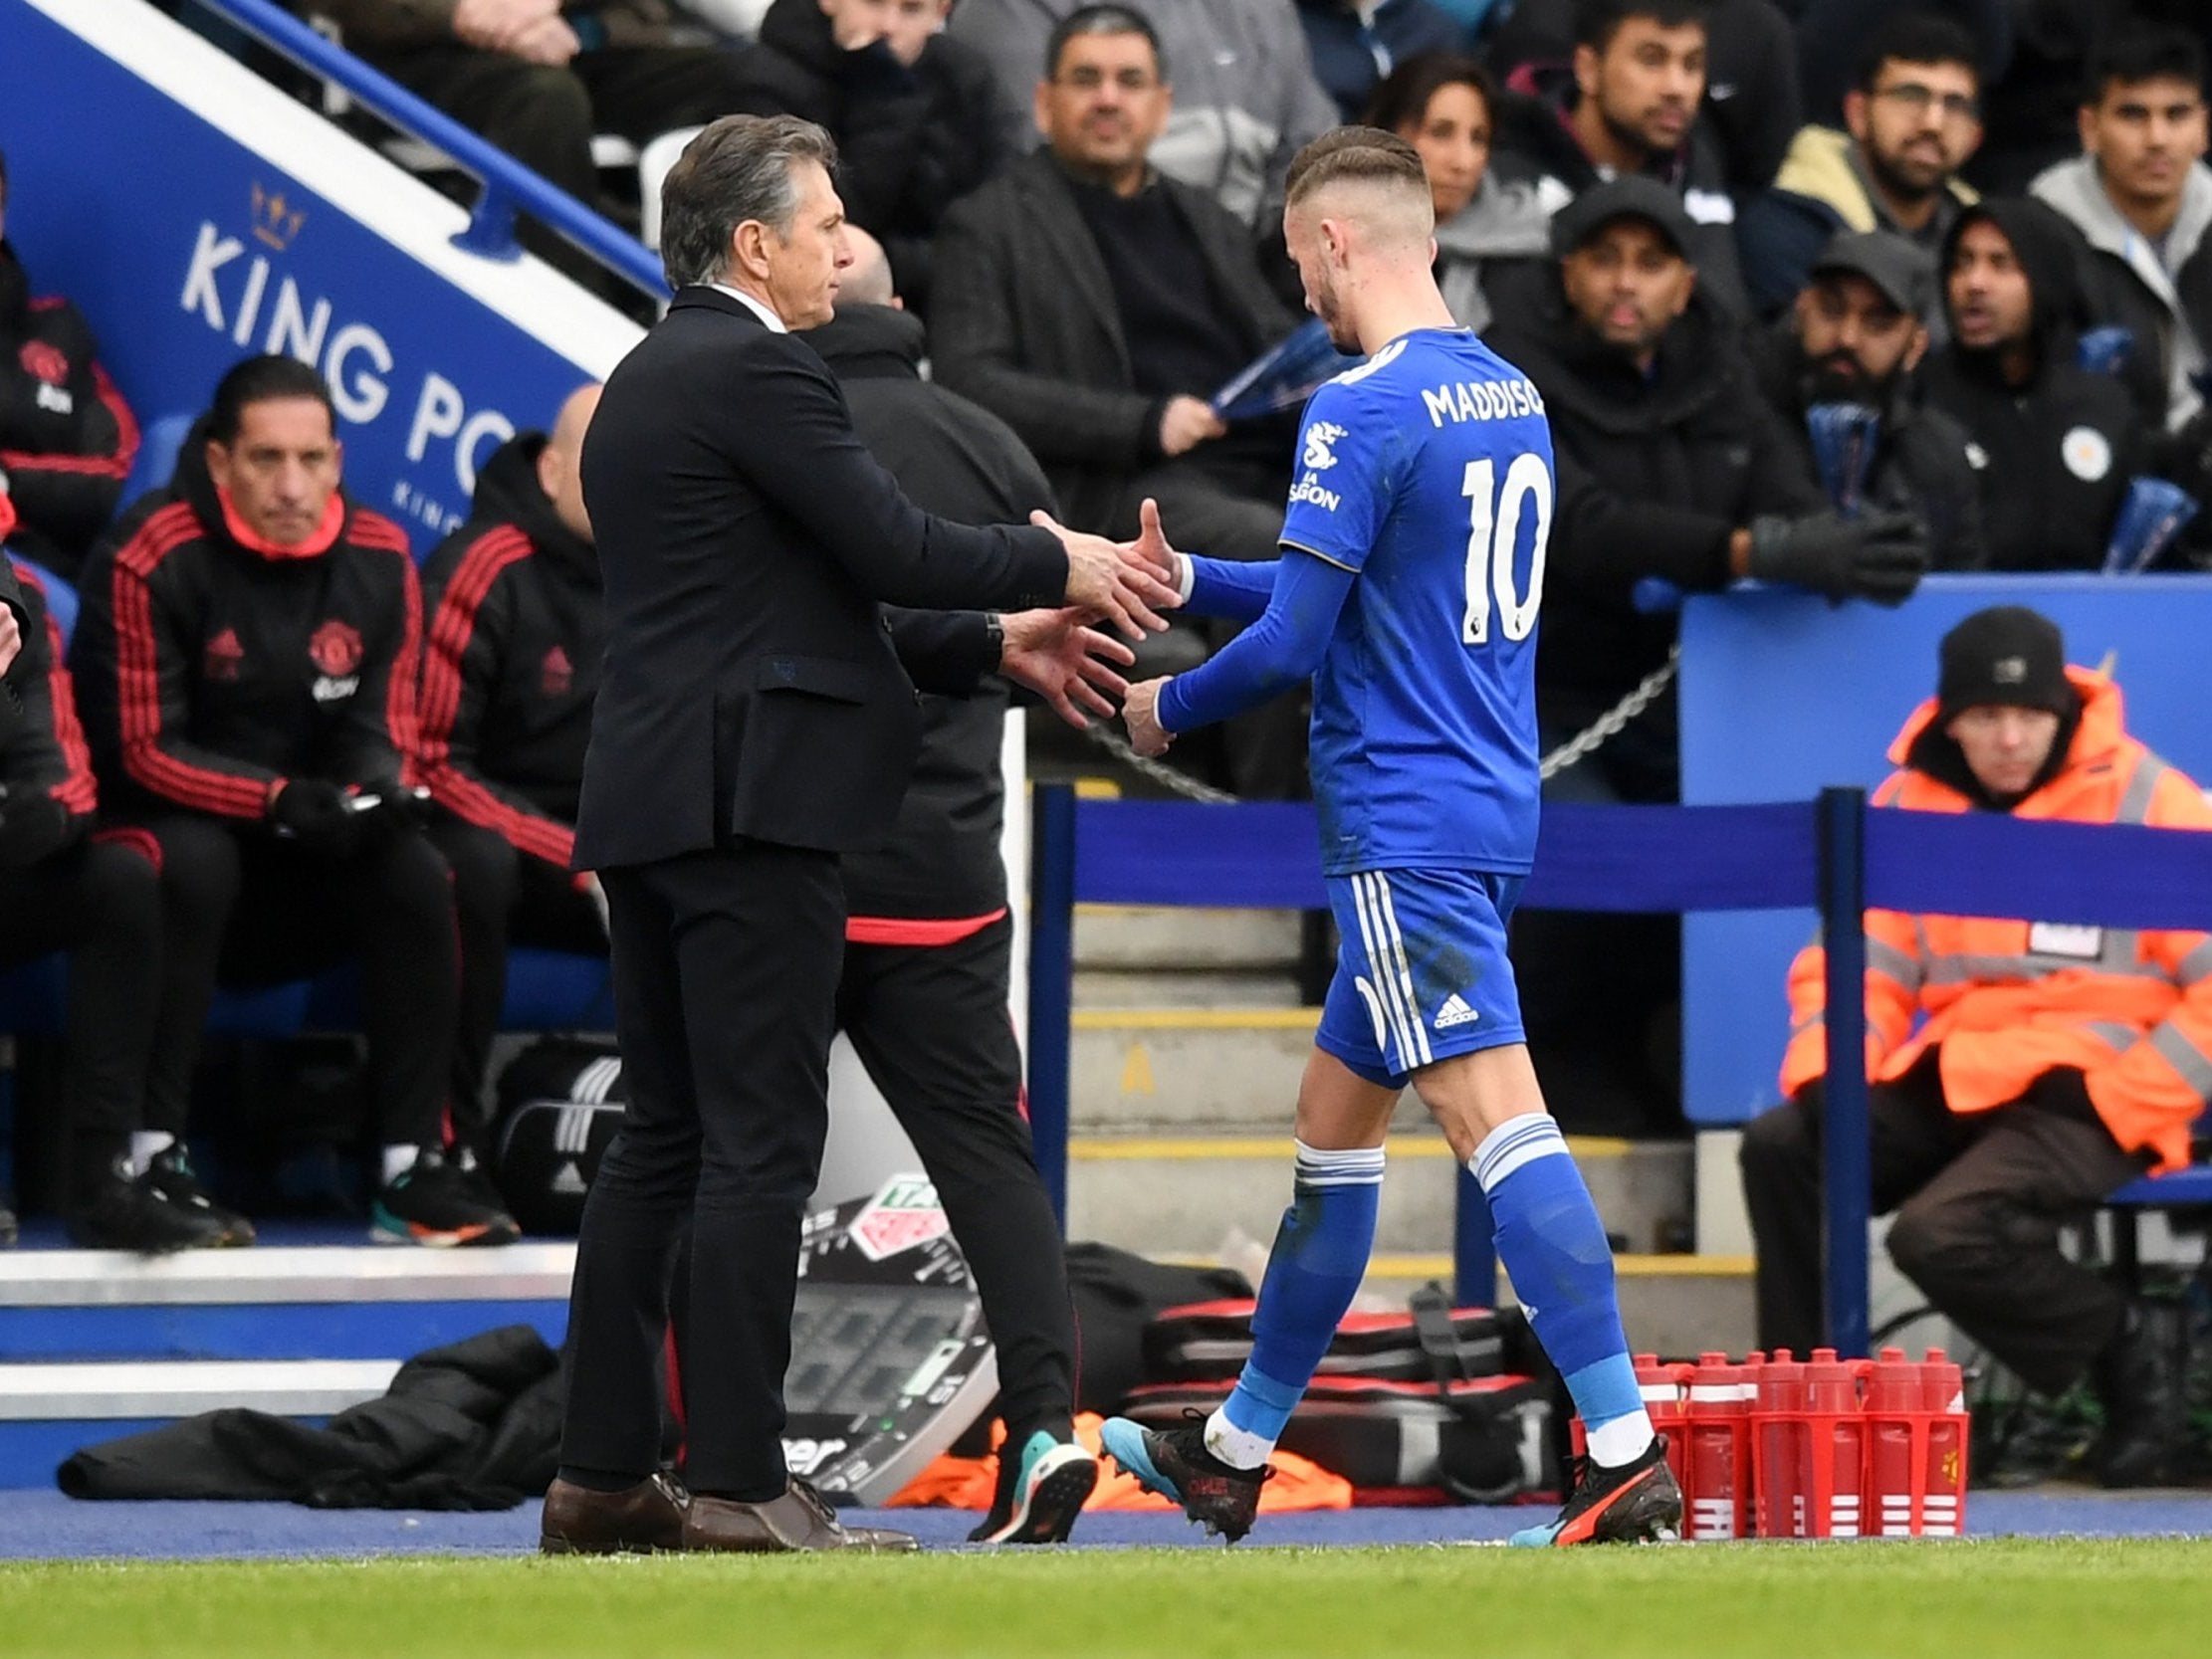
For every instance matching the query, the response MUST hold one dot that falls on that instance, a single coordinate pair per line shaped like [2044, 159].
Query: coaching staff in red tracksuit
[246, 667]
[753, 723]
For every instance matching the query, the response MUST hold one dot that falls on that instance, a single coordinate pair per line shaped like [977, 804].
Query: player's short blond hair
[1354, 155]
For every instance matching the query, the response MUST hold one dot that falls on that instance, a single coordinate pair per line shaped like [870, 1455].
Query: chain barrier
[1572, 751]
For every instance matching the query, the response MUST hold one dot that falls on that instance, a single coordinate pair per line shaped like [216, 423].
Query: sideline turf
[2066, 1597]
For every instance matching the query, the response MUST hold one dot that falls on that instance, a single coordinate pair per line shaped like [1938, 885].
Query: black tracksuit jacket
[512, 660]
[208, 670]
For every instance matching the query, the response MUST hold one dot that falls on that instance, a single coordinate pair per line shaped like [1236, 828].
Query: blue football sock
[1554, 1248]
[1313, 1272]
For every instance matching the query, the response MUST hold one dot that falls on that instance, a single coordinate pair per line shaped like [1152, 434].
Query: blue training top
[1409, 589]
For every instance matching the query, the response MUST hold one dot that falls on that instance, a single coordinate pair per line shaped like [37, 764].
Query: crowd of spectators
[1827, 292]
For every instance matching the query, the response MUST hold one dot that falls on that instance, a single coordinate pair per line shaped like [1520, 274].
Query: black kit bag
[1438, 1401]
[559, 1103]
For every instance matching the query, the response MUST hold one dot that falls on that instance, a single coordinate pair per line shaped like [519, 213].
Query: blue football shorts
[1422, 972]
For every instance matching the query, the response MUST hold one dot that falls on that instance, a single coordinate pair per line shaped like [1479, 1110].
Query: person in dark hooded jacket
[67, 437]
[245, 663]
[511, 666]
[915, 114]
[2055, 444]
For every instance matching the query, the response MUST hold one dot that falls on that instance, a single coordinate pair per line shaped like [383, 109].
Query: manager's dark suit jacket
[745, 536]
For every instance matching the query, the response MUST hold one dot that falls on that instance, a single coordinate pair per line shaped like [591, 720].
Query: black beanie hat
[2006, 655]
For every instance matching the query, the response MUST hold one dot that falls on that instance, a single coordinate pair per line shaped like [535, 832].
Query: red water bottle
[1896, 1452]
[1836, 1445]
[1779, 1429]
[1719, 1487]
[1663, 1388]
[1943, 1394]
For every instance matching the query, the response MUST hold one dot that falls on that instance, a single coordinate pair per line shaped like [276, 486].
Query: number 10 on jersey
[1494, 528]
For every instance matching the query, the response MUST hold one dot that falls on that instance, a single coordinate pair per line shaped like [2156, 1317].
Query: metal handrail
[509, 186]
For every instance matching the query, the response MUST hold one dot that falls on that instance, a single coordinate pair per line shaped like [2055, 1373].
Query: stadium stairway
[1189, 1043]
[98, 1344]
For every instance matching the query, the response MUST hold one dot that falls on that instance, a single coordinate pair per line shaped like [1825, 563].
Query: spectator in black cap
[1838, 370]
[2054, 444]
[1669, 465]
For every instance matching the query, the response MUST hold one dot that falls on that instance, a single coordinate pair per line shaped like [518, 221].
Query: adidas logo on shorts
[1455, 1012]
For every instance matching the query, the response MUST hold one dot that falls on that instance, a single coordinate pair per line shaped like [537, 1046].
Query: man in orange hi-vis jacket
[2054, 1064]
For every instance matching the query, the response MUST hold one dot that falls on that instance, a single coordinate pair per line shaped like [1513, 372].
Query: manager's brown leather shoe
[799, 1519]
[637, 1519]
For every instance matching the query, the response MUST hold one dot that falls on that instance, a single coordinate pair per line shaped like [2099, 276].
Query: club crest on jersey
[335, 650]
[558, 675]
[1322, 438]
[224, 656]
[45, 365]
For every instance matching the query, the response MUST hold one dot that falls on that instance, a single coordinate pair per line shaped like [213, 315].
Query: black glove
[2063, 1092]
[32, 827]
[392, 809]
[315, 814]
[1881, 556]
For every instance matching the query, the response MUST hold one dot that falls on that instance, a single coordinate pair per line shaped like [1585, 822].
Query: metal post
[1473, 1248]
[1848, 1177]
[1051, 984]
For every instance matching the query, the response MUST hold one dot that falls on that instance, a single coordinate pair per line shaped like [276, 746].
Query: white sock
[398, 1160]
[1239, 1448]
[1620, 1441]
[146, 1145]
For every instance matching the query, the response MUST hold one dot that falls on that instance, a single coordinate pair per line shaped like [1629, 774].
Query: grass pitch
[2071, 1599]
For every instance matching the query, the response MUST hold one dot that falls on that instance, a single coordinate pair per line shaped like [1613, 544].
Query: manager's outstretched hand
[1064, 662]
[1141, 709]
[1110, 583]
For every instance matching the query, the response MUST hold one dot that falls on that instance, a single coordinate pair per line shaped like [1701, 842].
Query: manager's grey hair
[740, 167]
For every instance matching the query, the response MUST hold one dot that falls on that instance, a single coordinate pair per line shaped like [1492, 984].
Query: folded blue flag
[2154, 513]
[1843, 436]
[1284, 377]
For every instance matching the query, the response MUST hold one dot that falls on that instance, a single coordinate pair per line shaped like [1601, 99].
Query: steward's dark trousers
[1980, 1199]
[501, 896]
[244, 907]
[725, 968]
[930, 1023]
[101, 901]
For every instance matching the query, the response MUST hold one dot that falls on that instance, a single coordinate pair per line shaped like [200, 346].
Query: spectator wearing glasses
[1911, 124]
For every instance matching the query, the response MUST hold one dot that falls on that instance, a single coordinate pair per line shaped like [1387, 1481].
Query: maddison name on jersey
[1481, 400]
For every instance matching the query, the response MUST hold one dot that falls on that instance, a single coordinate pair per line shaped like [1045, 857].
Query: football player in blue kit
[1407, 588]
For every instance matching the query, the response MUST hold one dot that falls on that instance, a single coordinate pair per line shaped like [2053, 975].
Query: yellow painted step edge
[1117, 1148]
[1196, 1019]
[1628, 1267]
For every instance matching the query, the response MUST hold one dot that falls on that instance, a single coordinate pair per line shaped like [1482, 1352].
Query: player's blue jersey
[1427, 471]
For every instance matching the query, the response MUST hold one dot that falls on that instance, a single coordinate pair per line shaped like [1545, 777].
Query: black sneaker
[8, 1230]
[129, 1215]
[1044, 1494]
[436, 1202]
[169, 1179]
[1636, 1503]
[1176, 1464]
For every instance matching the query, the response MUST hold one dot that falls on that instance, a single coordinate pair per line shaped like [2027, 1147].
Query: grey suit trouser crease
[725, 968]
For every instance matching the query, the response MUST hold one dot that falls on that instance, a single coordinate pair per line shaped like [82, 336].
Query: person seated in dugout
[246, 665]
[2022, 1070]
[97, 896]
[510, 667]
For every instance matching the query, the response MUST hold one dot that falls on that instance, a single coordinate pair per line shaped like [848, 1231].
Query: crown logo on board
[276, 220]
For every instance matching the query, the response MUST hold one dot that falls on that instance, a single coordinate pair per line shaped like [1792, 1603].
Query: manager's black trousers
[243, 907]
[1980, 1200]
[930, 1024]
[726, 966]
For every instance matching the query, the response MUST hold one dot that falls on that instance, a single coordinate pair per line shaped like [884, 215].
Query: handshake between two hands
[1060, 656]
